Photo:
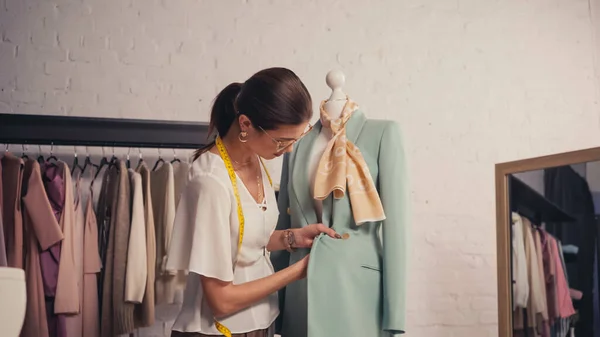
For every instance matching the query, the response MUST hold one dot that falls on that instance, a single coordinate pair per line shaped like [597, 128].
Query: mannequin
[355, 287]
[335, 80]
[12, 300]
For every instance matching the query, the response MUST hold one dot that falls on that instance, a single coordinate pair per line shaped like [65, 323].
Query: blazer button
[288, 211]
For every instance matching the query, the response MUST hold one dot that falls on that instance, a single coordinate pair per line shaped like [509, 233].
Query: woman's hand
[305, 236]
[301, 267]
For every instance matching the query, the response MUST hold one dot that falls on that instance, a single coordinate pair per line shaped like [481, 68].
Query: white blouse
[204, 242]
[519, 264]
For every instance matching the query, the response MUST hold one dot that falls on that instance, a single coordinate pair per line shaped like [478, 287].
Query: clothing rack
[528, 202]
[89, 131]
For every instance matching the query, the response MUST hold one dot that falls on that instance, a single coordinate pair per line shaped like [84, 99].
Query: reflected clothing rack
[526, 201]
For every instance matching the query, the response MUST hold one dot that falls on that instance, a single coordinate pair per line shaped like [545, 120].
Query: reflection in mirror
[554, 251]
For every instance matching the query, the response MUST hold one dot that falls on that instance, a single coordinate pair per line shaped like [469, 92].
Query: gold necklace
[258, 177]
[260, 189]
[238, 164]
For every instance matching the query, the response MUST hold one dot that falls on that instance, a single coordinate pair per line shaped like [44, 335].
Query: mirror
[548, 227]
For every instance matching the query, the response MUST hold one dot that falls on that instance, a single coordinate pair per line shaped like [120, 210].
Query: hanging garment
[41, 231]
[569, 191]
[3, 259]
[144, 313]
[67, 294]
[163, 207]
[181, 174]
[543, 319]
[549, 263]
[74, 322]
[91, 267]
[358, 265]
[563, 325]
[12, 173]
[536, 303]
[98, 187]
[519, 264]
[137, 271]
[53, 178]
[565, 304]
[117, 315]
[596, 294]
[104, 214]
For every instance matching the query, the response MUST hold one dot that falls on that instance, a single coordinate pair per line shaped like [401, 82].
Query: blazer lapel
[341, 209]
[300, 179]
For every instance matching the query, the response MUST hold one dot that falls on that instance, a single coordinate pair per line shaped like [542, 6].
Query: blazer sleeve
[394, 192]
[281, 259]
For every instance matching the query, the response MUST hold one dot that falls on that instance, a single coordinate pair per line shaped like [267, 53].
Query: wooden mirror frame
[503, 235]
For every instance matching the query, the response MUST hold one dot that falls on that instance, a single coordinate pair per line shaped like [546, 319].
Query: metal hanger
[128, 161]
[48, 160]
[40, 157]
[103, 162]
[160, 160]
[76, 161]
[141, 158]
[88, 161]
[24, 154]
[175, 159]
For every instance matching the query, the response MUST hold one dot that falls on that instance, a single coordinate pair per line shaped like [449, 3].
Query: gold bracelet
[289, 240]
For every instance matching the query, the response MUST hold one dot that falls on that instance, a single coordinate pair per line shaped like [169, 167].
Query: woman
[233, 288]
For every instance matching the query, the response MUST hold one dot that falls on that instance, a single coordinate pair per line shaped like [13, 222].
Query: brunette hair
[270, 98]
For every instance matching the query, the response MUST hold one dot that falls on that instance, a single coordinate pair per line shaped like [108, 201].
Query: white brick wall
[472, 83]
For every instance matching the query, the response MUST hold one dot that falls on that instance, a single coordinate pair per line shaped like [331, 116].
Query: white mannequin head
[335, 80]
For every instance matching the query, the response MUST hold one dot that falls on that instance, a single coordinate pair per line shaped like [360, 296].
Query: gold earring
[243, 136]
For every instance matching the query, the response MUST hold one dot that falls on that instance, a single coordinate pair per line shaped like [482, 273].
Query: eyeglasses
[283, 145]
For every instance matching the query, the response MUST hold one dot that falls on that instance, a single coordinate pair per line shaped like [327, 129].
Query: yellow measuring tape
[240, 213]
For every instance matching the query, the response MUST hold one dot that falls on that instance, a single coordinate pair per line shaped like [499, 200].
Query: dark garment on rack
[108, 192]
[3, 260]
[12, 220]
[568, 190]
[52, 176]
[116, 314]
[596, 297]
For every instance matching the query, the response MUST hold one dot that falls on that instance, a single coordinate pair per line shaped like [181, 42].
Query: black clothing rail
[528, 202]
[88, 131]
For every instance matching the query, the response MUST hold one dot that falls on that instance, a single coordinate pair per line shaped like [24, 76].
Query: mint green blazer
[356, 287]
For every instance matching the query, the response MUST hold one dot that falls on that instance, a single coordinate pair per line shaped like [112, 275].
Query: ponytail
[222, 115]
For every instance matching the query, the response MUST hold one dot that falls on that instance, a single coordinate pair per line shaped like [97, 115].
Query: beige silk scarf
[343, 165]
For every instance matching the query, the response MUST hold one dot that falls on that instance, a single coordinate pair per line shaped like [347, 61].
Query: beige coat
[144, 312]
[137, 271]
[42, 231]
[91, 268]
[163, 206]
[67, 295]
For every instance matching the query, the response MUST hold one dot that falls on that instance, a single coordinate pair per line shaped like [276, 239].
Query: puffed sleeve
[201, 241]
[394, 192]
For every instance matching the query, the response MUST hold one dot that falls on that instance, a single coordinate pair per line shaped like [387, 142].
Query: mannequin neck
[335, 103]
